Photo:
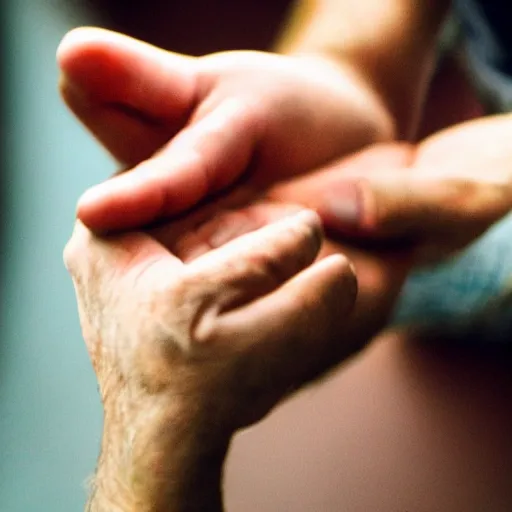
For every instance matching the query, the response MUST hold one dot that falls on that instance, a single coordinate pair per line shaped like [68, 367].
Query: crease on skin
[173, 313]
[142, 270]
[189, 236]
[229, 225]
[217, 223]
[137, 114]
[254, 278]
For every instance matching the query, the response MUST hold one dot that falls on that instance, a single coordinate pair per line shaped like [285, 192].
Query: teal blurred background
[50, 416]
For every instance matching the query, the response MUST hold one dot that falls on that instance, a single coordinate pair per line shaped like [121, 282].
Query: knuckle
[76, 247]
[191, 310]
[267, 266]
[292, 251]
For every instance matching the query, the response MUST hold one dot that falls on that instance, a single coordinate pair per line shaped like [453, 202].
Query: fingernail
[342, 207]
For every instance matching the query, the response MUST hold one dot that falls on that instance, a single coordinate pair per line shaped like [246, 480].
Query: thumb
[132, 96]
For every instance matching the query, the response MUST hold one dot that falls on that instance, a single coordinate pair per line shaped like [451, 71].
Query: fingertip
[294, 240]
[67, 45]
[78, 40]
[307, 220]
[89, 208]
[309, 217]
[111, 67]
[87, 57]
[108, 207]
[342, 270]
[70, 59]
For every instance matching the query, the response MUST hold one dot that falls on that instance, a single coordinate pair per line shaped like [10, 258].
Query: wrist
[158, 455]
[391, 45]
[358, 88]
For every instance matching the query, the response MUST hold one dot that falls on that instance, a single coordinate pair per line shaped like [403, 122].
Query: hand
[212, 120]
[135, 97]
[186, 350]
[439, 195]
[102, 80]
[454, 186]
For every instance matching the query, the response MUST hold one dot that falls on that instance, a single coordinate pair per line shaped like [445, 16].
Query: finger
[437, 214]
[131, 95]
[457, 185]
[335, 191]
[296, 333]
[387, 193]
[251, 265]
[448, 211]
[204, 158]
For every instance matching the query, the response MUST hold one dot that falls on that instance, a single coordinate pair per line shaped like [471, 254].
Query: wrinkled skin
[218, 324]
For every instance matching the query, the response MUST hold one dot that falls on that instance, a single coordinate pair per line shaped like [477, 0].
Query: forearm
[156, 458]
[389, 44]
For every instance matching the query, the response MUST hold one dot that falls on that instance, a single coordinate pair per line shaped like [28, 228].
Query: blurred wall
[50, 416]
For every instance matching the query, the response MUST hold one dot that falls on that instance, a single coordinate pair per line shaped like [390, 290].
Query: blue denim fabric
[460, 288]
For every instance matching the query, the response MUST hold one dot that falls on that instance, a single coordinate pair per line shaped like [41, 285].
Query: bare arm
[157, 456]
[389, 43]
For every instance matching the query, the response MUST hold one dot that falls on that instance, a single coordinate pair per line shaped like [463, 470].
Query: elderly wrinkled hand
[260, 300]
[188, 349]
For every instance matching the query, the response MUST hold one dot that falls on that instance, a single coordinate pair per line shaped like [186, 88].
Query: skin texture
[390, 44]
[105, 263]
[211, 121]
[388, 190]
[214, 342]
[401, 188]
